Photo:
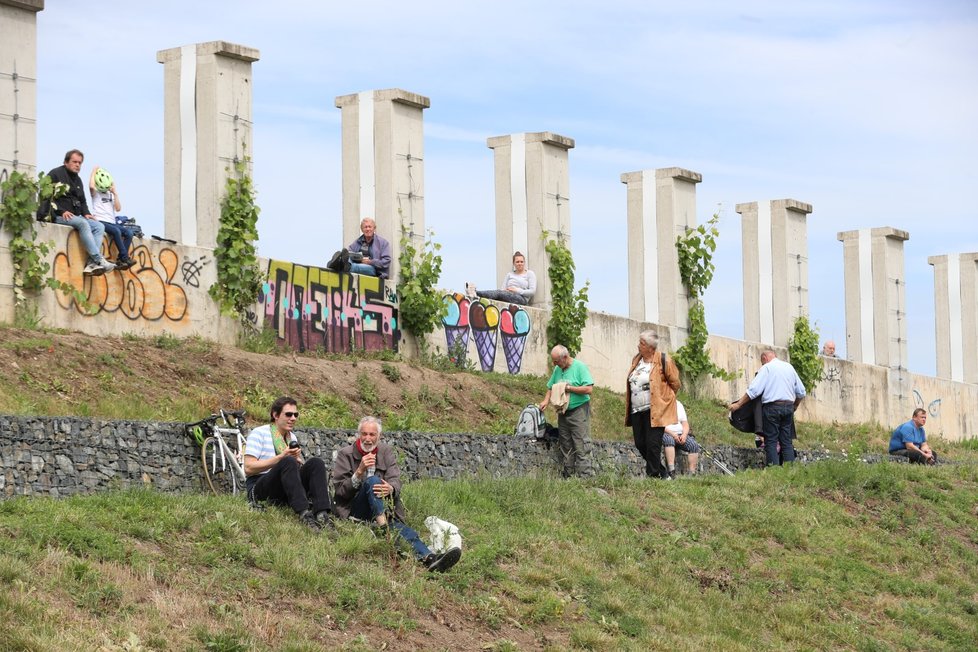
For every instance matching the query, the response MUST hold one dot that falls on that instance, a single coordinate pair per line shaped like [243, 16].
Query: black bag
[340, 262]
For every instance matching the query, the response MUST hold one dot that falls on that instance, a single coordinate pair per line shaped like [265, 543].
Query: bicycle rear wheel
[218, 471]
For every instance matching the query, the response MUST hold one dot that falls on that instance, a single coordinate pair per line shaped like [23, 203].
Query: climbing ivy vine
[803, 354]
[568, 313]
[420, 306]
[695, 249]
[238, 277]
[21, 196]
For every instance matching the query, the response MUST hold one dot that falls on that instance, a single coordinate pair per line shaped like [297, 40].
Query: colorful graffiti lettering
[141, 292]
[310, 307]
[485, 320]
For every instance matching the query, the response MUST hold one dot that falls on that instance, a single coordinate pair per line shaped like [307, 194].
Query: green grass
[828, 556]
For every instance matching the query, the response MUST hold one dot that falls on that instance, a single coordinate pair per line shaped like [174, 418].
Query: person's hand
[67, 215]
[89, 217]
[368, 460]
[680, 438]
[294, 452]
[366, 261]
[543, 406]
[383, 489]
[512, 289]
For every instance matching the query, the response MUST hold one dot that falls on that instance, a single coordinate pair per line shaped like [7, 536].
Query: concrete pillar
[207, 125]
[661, 205]
[775, 262]
[383, 164]
[18, 87]
[532, 198]
[876, 304]
[956, 315]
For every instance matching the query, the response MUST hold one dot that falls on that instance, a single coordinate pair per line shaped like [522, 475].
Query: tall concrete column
[661, 205]
[956, 315]
[775, 262]
[18, 87]
[532, 198]
[207, 128]
[876, 304]
[383, 164]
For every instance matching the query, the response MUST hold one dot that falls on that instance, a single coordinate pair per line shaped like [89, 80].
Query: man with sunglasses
[277, 472]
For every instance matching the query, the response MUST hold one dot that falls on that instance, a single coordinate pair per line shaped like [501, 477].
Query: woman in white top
[519, 286]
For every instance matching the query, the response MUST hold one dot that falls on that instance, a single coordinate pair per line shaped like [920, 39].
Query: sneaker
[307, 519]
[106, 265]
[470, 290]
[93, 269]
[326, 523]
[123, 264]
[444, 561]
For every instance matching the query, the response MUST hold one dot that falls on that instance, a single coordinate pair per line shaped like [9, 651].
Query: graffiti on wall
[314, 307]
[933, 408]
[144, 291]
[485, 321]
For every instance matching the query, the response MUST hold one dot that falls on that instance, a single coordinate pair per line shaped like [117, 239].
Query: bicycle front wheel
[218, 471]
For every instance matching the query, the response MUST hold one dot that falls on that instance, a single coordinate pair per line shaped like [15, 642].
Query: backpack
[531, 423]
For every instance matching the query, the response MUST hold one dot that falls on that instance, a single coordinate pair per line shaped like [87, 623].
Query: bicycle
[223, 462]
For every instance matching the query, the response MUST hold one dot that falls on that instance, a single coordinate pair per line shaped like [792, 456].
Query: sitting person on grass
[519, 286]
[678, 436]
[909, 440]
[277, 472]
[367, 480]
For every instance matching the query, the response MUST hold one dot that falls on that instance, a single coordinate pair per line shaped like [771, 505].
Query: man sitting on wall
[375, 251]
[277, 473]
[366, 478]
[71, 209]
[909, 440]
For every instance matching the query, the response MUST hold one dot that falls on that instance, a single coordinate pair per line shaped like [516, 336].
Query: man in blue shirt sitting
[909, 440]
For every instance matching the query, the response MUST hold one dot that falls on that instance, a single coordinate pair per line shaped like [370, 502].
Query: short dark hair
[71, 152]
[919, 411]
[279, 404]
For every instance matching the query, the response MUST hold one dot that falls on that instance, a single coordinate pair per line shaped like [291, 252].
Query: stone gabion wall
[61, 456]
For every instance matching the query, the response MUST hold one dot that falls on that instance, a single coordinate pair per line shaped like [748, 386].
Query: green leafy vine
[568, 313]
[21, 197]
[803, 354]
[420, 306]
[238, 276]
[695, 249]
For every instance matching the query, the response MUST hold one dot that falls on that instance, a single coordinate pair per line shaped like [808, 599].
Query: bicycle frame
[222, 457]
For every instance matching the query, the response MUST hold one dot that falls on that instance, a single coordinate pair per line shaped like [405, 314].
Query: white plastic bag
[444, 535]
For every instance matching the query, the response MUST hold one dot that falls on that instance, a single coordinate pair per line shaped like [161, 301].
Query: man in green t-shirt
[570, 387]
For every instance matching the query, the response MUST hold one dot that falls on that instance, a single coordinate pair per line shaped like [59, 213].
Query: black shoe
[326, 523]
[444, 561]
[309, 520]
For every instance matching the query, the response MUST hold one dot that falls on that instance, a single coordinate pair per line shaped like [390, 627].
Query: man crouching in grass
[365, 478]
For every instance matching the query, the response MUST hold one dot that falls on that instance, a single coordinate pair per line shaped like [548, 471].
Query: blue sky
[864, 109]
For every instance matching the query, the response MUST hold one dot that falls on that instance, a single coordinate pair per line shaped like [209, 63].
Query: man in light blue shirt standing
[781, 391]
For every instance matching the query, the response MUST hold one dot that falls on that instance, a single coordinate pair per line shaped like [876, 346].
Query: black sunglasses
[289, 415]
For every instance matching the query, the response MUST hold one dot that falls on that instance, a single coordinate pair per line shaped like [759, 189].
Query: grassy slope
[833, 556]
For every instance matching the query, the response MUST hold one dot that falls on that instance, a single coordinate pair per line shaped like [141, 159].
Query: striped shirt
[259, 444]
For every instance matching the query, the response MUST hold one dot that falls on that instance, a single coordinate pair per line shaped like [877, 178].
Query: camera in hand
[293, 444]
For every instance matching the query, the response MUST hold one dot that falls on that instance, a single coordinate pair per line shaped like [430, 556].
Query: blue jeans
[366, 507]
[362, 269]
[121, 236]
[90, 232]
[779, 428]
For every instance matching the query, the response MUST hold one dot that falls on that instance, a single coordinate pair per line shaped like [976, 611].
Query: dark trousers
[121, 236]
[779, 428]
[287, 483]
[915, 457]
[648, 441]
[503, 295]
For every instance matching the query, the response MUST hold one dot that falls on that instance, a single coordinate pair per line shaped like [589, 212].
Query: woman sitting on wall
[519, 285]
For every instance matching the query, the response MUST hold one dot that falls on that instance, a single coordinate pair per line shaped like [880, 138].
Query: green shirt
[577, 375]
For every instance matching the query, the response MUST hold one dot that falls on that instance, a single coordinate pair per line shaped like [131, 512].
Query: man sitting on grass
[910, 441]
[366, 478]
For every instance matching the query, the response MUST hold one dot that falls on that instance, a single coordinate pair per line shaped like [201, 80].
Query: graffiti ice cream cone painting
[484, 321]
[456, 323]
[514, 326]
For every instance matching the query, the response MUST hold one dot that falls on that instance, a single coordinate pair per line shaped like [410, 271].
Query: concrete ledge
[878, 232]
[29, 5]
[546, 137]
[223, 48]
[390, 94]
